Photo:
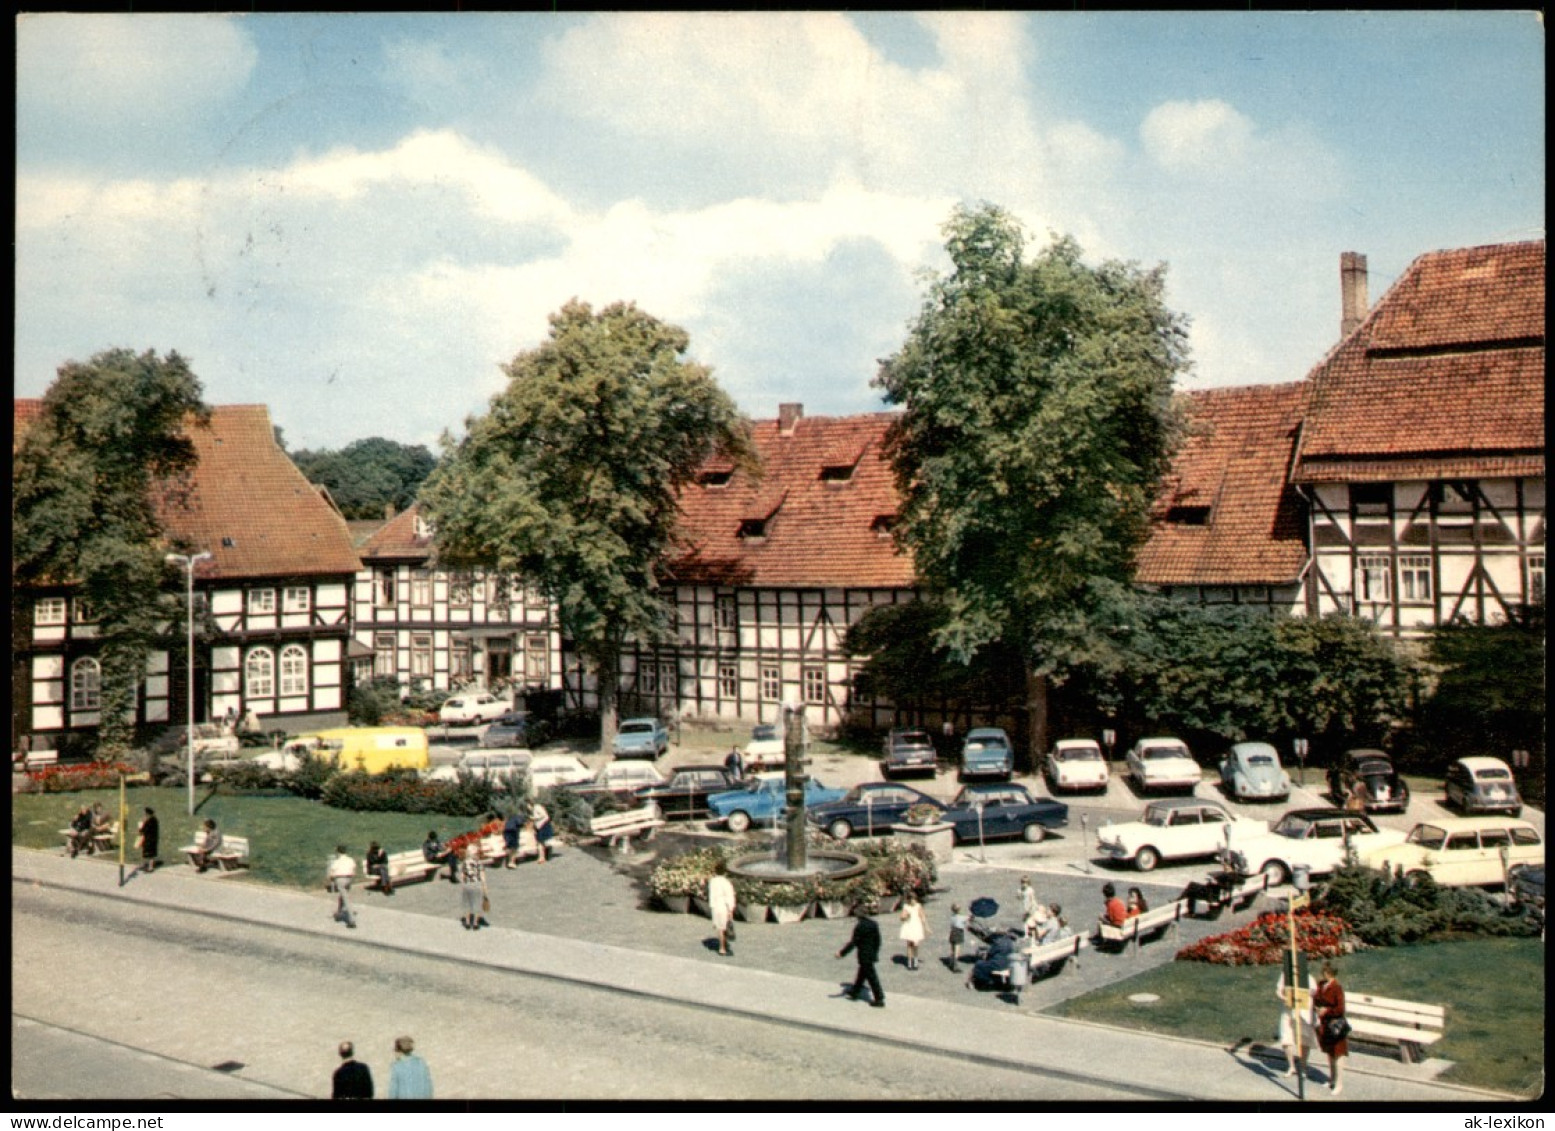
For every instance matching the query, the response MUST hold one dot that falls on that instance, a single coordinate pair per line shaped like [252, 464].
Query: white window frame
[259, 674]
[296, 599]
[261, 602]
[771, 684]
[383, 588]
[460, 588]
[83, 611]
[1414, 577]
[1373, 579]
[814, 681]
[421, 655]
[724, 615]
[421, 588]
[647, 678]
[86, 684]
[537, 658]
[294, 670]
[728, 681]
[385, 656]
[49, 611]
[461, 660]
[1536, 579]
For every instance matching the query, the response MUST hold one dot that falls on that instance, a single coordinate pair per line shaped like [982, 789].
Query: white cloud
[1188, 136]
[135, 69]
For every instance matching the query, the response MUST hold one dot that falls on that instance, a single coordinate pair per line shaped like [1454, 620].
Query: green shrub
[308, 779]
[248, 777]
[368, 703]
[402, 792]
[1394, 911]
[570, 811]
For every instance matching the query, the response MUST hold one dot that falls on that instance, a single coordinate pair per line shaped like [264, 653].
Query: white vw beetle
[1174, 829]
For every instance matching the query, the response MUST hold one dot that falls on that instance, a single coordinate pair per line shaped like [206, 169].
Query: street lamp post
[188, 562]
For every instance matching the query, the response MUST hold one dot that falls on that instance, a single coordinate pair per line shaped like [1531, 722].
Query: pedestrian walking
[735, 764]
[341, 874]
[473, 895]
[1285, 1032]
[512, 829]
[353, 1079]
[544, 831]
[914, 929]
[148, 836]
[377, 864]
[720, 904]
[865, 940]
[410, 1078]
[1028, 898]
[1333, 1028]
[958, 923]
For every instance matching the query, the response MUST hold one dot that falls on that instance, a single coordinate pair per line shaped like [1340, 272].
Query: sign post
[1297, 997]
[1300, 747]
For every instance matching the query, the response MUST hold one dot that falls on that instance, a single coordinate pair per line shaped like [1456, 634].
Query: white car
[1315, 838]
[284, 761]
[1463, 851]
[472, 709]
[1162, 763]
[765, 750]
[548, 770]
[1175, 829]
[1075, 764]
[493, 764]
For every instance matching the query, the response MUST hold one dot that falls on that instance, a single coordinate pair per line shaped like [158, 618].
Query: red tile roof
[247, 503]
[817, 533]
[1234, 463]
[1444, 376]
[396, 540]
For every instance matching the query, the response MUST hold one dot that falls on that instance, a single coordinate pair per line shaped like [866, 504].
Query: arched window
[259, 674]
[294, 670]
[86, 685]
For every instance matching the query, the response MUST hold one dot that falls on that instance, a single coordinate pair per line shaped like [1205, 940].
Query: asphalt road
[186, 993]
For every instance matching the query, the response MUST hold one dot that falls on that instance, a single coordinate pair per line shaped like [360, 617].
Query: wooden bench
[101, 841]
[1161, 920]
[232, 855]
[406, 868]
[1409, 1025]
[40, 759]
[1239, 892]
[1038, 958]
[617, 829]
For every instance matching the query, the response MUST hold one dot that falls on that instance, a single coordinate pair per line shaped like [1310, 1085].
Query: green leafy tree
[571, 480]
[87, 474]
[902, 663]
[366, 475]
[1038, 424]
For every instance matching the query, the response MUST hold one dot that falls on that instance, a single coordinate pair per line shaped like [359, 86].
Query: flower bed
[1266, 940]
[68, 779]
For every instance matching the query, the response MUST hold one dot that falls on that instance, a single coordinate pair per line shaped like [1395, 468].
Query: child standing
[958, 923]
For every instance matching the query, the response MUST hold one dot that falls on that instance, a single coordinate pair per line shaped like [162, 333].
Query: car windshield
[763, 733]
[912, 738]
[1374, 768]
[1259, 760]
[1157, 753]
[1293, 826]
[1428, 836]
[636, 728]
[1157, 816]
[1080, 754]
[1495, 773]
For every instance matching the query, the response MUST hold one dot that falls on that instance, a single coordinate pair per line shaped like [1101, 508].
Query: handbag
[729, 931]
[485, 903]
[1336, 1028]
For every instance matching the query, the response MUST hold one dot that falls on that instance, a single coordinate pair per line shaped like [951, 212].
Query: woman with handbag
[472, 888]
[1333, 1030]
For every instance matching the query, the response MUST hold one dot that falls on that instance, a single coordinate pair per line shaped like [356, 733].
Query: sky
[357, 220]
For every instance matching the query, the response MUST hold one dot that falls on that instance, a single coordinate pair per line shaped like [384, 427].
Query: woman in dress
[150, 837]
[1136, 904]
[1285, 1033]
[915, 927]
[544, 830]
[1328, 1004]
[720, 904]
[472, 887]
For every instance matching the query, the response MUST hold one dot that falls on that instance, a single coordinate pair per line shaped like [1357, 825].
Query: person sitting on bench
[80, 831]
[209, 843]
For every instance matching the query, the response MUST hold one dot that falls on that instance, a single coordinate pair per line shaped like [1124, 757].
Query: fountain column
[793, 781]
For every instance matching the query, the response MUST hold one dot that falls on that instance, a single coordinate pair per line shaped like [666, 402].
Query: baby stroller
[1001, 961]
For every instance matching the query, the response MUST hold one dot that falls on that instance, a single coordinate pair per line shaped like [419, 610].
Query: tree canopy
[571, 480]
[1038, 423]
[365, 475]
[86, 473]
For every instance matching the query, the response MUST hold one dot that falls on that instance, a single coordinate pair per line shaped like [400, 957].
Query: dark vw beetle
[1385, 790]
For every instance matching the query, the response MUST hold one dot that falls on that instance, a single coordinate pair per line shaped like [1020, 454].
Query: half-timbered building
[1421, 454]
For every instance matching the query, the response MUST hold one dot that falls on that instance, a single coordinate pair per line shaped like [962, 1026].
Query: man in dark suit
[866, 940]
[353, 1080]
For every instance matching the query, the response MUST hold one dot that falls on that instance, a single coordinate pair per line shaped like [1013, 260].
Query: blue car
[1007, 810]
[763, 799]
[640, 738]
[868, 809]
[987, 753]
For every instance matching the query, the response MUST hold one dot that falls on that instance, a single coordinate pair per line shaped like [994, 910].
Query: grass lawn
[291, 840]
[1493, 990]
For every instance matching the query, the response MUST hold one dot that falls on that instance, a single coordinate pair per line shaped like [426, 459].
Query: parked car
[212, 744]
[986, 753]
[1177, 828]
[1251, 771]
[547, 771]
[1482, 785]
[495, 765]
[1315, 838]
[1463, 851]
[640, 738]
[282, 761]
[1385, 789]
[765, 750]
[1075, 764]
[763, 798]
[1161, 764]
[1007, 810]
[511, 730]
[907, 751]
[1527, 888]
[869, 808]
[686, 792]
[471, 709]
[620, 779]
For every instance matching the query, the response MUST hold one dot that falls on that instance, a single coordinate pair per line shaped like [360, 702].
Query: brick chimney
[1352, 291]
[788, 416]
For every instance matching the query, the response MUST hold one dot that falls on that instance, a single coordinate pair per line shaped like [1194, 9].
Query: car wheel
[1417, 878]
[1146, 859]
[739, 821]
[1276, 871]
[840, 830]
[1033, 833]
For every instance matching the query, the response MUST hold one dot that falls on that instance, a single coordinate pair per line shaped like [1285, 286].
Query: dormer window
[753, 528]
[421, 529]
[718, 478]
[1188, 516]
[882, 525]
[228, 543]
[836, 473]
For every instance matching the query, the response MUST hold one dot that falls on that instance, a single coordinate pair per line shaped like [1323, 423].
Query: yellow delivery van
[373, 749]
